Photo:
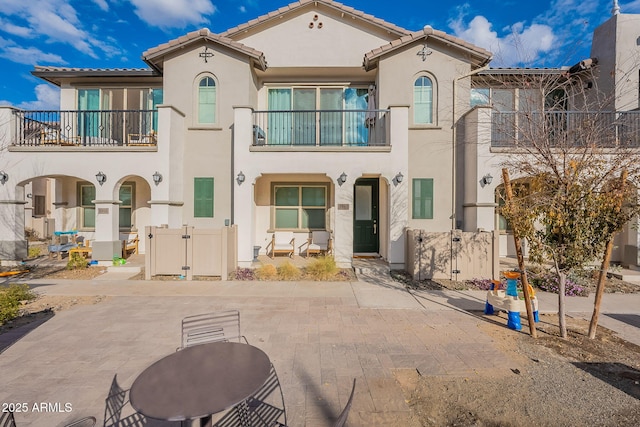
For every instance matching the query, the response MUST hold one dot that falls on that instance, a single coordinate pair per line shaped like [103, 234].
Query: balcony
[102, 128]
[321, 128]
[566, 129]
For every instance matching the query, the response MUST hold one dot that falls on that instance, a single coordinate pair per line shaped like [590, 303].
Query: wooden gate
[190, 252]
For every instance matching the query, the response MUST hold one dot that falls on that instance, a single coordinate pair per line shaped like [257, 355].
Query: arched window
[207, 101]
[423, 101]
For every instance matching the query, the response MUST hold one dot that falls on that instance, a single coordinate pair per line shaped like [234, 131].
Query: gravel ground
[553, 382]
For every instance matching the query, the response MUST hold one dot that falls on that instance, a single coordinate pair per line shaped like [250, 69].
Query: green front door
[365, 216]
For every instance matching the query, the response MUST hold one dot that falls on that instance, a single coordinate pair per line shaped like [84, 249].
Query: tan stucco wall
[292, 43]
[430, 146]
[207, 148]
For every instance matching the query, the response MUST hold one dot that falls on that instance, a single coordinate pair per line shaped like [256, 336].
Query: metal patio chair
[265, 408]
[211, 327]
[7, 419]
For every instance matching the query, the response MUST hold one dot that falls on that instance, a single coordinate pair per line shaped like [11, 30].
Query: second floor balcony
[321, 128]
[86, 128]
[567, 129]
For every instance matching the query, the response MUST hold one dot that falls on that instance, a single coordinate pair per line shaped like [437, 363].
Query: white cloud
[242, 9]
[631, 7]
[55, 20]
[173, 13]
[47, 98]
[519, 45]
[102, 4]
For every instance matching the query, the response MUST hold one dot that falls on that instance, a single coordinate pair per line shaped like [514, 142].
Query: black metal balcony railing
[320, 128]
[86, 128]
[566, 129]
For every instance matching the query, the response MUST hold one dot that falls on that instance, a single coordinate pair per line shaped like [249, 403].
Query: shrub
[267, 272]
[288, 271]
[483, 284]
[10, 299]
[31, 235]
[322, 268]
[243, 274]
[549, 282]
[77, 262]
[35, 252]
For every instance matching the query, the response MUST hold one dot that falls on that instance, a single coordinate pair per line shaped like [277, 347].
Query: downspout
[453, 141]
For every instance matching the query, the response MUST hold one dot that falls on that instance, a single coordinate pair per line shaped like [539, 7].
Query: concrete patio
[319, 336]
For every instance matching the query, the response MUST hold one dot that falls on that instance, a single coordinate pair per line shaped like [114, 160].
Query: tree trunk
[600, 289]
[562, 276]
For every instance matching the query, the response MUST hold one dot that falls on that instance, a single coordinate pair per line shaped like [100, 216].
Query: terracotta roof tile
[426, 33]
[150, 54]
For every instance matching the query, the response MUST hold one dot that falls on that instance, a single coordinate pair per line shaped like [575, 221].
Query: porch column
[479, 194]
[343, 227]
[243, 191]
[107, 242]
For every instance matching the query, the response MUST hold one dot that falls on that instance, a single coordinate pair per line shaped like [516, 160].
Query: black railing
[86, 128]
[566, 129]
[320, 128]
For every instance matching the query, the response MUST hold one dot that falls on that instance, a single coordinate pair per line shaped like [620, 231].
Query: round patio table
[199, 381]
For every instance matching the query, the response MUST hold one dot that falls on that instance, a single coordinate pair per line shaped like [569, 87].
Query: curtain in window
[331, 116]
[423, 101]
[356, 126]
[207, 101]
[279, 131]
[304, 116]
[88, 122]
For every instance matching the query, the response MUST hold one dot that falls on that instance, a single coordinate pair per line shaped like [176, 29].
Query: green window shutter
[203, 197]
[422, 198]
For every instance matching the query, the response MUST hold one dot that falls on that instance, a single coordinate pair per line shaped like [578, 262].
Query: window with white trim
[300, 207]
[423, 101]
[207, 100]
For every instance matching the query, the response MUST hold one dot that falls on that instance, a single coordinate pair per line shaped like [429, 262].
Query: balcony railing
[320, 128]
[566, 129]
[86, 128]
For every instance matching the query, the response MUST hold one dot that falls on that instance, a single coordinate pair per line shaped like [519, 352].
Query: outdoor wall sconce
[157, 177]
[399, 177]
[486, 180]
[101, 177]
[4, 177]
[342, 178]
[240, 178]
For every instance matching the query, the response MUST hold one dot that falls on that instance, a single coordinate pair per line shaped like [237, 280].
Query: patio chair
[265, 408]
[211, 327]
[115, 401]
[129, 243]
[7, 419]
[282, 242]
[320, 242]
[342, 419]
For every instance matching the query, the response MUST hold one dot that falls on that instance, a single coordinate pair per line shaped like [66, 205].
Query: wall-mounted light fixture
[240, 178]
[29, 196]
[486, 180]
[157, 177]
[399, 177]
[342, 178]
[101, 177]
[4, 177]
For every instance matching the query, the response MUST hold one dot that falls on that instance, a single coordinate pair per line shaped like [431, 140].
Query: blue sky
[114, 33]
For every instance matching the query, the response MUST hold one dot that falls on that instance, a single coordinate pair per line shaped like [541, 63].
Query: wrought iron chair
[7, 419]
[265, 408]
[211, 327]
[342, 419]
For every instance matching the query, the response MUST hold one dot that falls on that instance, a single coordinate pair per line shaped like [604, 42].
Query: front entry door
[365, 220]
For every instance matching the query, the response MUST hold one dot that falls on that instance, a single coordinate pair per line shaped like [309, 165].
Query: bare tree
[570, 149]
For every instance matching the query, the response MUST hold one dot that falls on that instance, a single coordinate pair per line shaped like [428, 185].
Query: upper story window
[207, 101]
[423, 101]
